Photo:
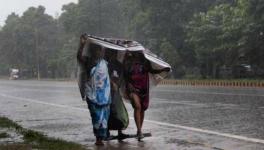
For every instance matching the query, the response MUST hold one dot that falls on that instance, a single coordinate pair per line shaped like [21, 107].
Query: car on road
[14, 74]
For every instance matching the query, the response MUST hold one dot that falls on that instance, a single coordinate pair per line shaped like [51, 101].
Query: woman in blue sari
[97, 92]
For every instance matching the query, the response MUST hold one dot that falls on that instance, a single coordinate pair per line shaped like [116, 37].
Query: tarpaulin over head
[122, 46]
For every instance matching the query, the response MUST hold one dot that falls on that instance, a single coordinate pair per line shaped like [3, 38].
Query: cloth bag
[118, 119]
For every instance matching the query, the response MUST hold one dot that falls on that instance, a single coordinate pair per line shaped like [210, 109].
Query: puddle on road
[189, 144]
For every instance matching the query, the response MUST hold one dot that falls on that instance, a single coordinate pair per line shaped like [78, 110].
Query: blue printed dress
[97, 91]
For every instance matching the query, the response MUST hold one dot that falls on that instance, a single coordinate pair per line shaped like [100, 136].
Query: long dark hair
[80, 59]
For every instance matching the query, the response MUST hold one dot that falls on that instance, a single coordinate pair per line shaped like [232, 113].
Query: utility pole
[15, 46]
[37, 52]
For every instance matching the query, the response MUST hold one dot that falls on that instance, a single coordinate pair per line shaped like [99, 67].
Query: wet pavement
[182, 118]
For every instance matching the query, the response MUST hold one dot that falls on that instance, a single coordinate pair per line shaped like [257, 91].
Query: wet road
[238, 111]
[182, 117]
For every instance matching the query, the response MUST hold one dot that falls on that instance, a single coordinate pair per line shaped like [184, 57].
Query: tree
[96, 17]
[253, 39]
[9, 42]
[188, 34]
[216, 36]
[29, 41]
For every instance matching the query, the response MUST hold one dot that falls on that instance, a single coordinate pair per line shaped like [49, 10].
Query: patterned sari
[97, 91]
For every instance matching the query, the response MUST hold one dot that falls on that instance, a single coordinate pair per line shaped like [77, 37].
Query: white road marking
[208, 132]
[254, 140]
[40, 102]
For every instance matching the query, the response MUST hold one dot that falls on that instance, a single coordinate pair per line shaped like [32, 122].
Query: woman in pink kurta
[136, 73]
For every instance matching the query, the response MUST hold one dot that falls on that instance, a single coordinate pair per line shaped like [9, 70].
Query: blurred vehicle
[14, 74]
[242, 71]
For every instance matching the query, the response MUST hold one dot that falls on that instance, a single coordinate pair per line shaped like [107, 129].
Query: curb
[258, 84]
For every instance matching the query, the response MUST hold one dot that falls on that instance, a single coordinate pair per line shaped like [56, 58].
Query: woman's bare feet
[140, 135]
[99, 142]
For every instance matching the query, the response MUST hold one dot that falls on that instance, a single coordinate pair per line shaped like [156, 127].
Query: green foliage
[4, 135]
[156, 20]
[40, 141]
[97, 17]
[6, 123]
[220, 36]
[35, 140]
[193, 36]
[29, 40]
[167, 52]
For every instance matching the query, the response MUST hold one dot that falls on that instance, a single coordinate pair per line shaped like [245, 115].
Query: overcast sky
[53, 7]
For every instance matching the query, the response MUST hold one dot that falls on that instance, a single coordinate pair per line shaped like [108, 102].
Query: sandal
[140, 136]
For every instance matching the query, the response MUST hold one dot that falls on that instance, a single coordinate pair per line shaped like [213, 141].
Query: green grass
[35, 140]
[6, 123]
[44, 142]
[15, 147]
[4, 135]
